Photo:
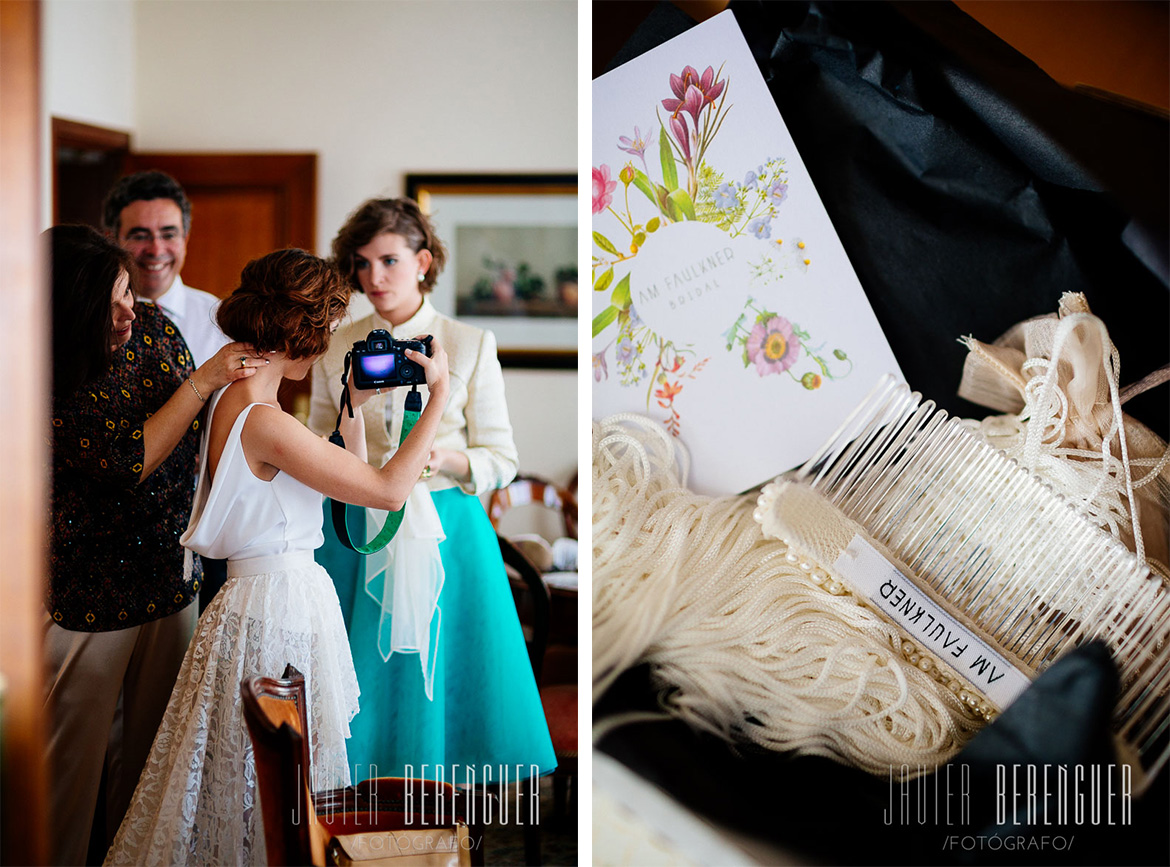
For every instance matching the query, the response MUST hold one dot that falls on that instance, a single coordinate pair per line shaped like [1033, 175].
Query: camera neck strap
[340, 509]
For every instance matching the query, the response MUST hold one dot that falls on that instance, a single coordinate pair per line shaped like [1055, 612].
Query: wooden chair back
[525, 490]
[275, 713]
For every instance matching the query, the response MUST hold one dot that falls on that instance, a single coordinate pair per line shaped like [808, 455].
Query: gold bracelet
[191, 382]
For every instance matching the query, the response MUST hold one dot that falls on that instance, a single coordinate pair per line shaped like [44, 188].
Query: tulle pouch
[405, 579]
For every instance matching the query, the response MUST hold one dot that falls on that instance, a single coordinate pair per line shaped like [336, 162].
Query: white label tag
[898, 597]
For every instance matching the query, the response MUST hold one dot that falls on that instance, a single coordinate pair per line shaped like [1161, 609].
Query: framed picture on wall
[512, 259]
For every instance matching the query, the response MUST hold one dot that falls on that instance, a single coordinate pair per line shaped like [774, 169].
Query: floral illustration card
[724, 305]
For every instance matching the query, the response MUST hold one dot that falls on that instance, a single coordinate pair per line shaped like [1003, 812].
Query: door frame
[84, 136]
[24, 390]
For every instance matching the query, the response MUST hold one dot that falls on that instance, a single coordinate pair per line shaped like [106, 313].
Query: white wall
[88, 61]
[543, 409]
[377, 88]
[88, 70]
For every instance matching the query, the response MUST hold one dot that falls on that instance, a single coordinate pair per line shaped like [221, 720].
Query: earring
[422, 275]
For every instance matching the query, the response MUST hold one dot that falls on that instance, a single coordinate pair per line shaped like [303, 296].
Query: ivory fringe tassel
[741, 642]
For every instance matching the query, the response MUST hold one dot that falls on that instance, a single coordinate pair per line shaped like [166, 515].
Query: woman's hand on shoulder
[233, 361]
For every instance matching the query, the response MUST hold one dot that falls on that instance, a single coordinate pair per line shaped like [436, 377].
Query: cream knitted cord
[742, 641]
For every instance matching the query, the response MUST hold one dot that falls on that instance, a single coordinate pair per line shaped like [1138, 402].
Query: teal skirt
[486, 709]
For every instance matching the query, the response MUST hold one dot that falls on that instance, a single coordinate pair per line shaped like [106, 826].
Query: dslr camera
[380, 361]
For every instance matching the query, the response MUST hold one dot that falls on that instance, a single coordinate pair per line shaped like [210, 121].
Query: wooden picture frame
[512, 259]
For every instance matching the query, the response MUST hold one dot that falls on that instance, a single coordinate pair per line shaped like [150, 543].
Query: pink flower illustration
[603, 189]
[693, 102]
[679, 128]
[771, 346]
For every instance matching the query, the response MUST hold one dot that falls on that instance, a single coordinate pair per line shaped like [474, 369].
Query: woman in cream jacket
[441, 661]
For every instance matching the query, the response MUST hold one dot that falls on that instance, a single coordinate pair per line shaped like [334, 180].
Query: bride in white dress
[258, 505]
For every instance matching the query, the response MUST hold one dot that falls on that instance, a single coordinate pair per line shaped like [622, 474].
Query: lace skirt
[196, 802]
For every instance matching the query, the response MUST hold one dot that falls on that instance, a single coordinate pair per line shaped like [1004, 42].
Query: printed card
[724, 305]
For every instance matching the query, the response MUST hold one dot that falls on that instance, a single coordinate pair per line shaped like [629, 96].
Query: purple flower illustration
[692, 103]
[708, 88]
[600, 371]
[678, 128]
[725, 198]
[771, 346]
[636, 145]
[625, 350]
[749, 180]
[761, 228]
[635, 319]
[778, 192]
[693, 94]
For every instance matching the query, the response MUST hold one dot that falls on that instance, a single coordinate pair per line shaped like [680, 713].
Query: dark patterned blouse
[115, 556]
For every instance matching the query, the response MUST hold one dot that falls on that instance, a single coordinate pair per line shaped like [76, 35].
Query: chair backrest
[569, 496]
[541, 604]
[274, 711]
[528, 490]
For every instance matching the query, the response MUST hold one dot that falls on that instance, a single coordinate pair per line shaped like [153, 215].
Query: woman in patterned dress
[125, 436]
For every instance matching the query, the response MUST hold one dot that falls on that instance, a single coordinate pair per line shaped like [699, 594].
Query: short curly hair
[139, 187]
[388, 216]
[286, 302]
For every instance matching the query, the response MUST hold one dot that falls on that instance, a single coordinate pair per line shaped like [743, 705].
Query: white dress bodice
[238, 516]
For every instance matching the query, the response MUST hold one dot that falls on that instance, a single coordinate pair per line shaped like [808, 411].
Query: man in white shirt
[150, 216]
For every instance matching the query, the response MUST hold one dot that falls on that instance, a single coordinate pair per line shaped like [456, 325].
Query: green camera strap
[339, 509]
